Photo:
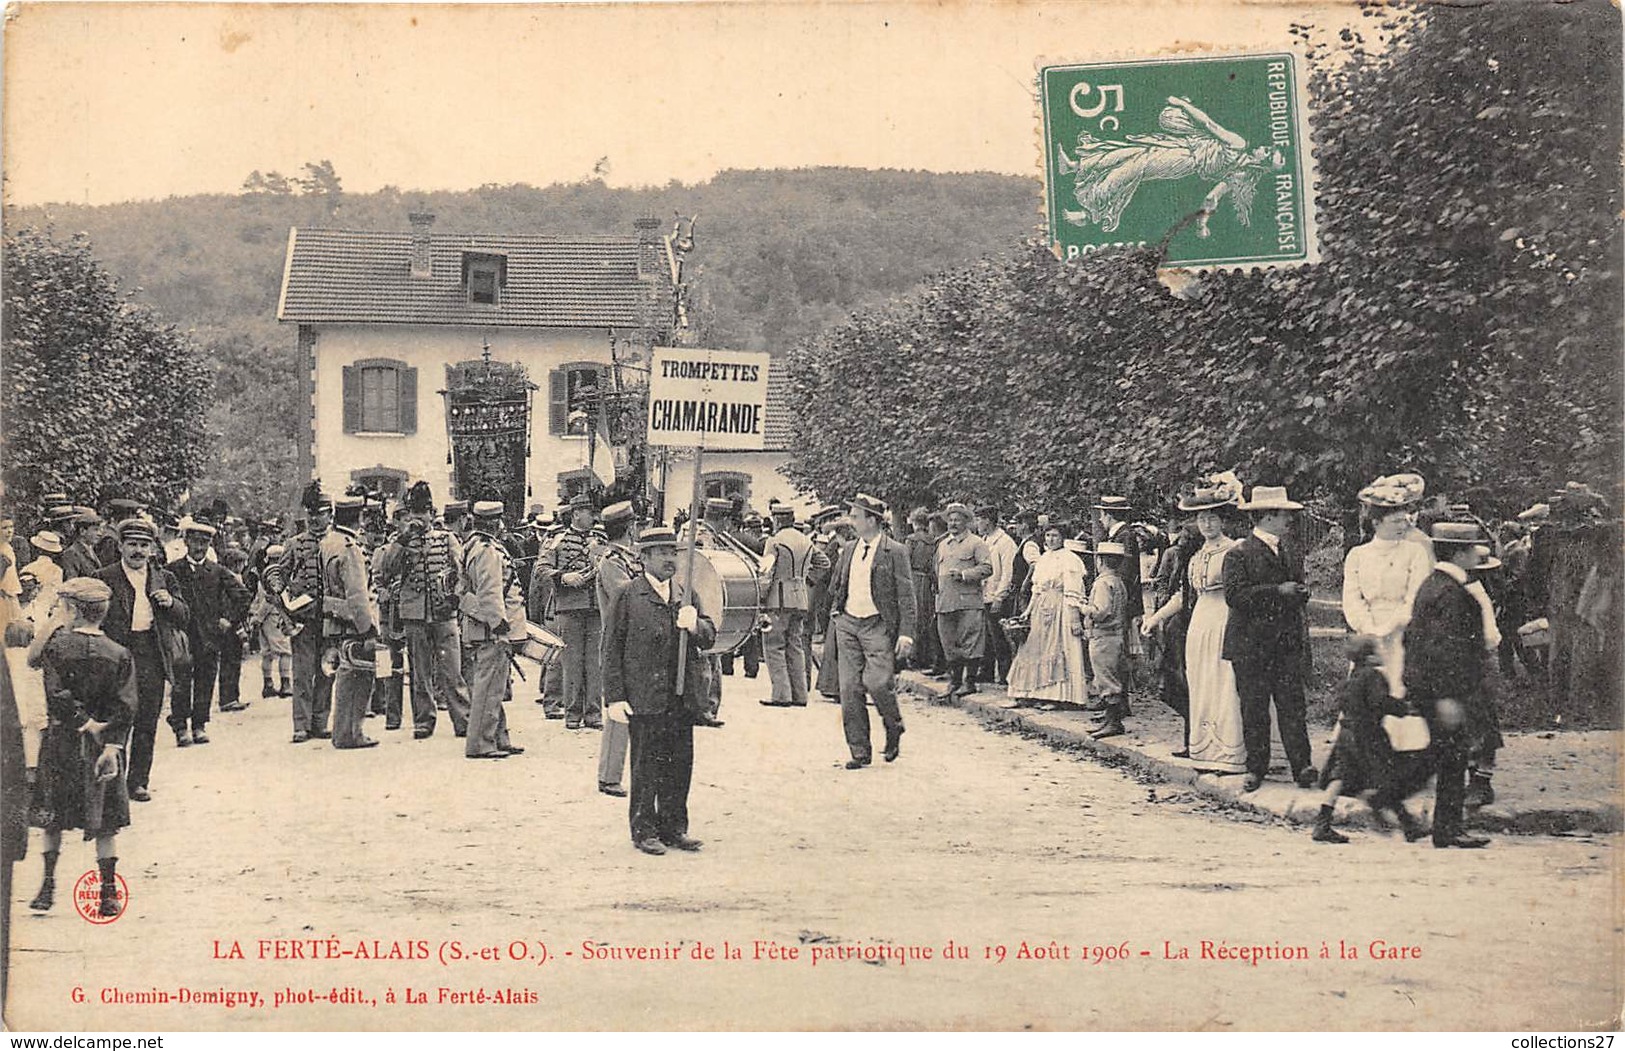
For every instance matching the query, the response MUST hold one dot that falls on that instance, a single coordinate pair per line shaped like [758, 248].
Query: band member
[421, 566]
[217, 599]
[872, 615]
[493, 610]
[145, 611]
[618, 565]
[348, 620]
[302, 570]
[786, 599]
[575, 598]
[646, 626]
[539, 603]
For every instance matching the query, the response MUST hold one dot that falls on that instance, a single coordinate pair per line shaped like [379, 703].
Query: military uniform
[492, 610]
[347, 617]
[786, 600]
[312, 687]
[576, 605]
[422, 570]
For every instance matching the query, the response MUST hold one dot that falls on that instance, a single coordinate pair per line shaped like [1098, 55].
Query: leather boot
[1409, 825]
[47, 889]
[1324, 832]
[109, 885]
[971, 668]
[955, 679]
[1479, 790]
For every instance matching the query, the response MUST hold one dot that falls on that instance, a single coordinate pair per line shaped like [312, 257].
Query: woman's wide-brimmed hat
[1214, 490]
[1394, 490]
[1270, 498]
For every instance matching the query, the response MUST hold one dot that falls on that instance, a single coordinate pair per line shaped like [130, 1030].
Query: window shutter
[352, 399]
[558, 401]
[408, 400]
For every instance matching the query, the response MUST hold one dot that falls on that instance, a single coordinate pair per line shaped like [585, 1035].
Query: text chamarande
[710, 417]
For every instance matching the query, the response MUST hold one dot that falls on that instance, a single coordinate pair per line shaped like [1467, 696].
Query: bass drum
[725, 590]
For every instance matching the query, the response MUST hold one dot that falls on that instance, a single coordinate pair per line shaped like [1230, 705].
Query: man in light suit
[786, 598]
[1267, 638]
[872, 621]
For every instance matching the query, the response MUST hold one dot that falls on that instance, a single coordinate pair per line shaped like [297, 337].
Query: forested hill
[779, 256]
[780, 253]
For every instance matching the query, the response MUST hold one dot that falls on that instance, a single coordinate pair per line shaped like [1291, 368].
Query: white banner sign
[711, 398]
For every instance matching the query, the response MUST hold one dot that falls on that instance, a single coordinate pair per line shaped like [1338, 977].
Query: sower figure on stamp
[144, 613]
[646, 628]
[348, 619]
[786, 598]
[493, 610]
[575, 597]
[90, 693]
[1267, 638]
[214, 596]
[872, 617]
[618, 565]
[302, 570]
[421, 564]
[1444, 668]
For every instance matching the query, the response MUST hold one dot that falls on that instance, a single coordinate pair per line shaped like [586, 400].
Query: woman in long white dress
[1215, 707]
[1049, 666]
[1381, 578]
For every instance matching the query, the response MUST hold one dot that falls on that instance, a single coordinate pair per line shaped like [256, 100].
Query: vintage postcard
[812, 516]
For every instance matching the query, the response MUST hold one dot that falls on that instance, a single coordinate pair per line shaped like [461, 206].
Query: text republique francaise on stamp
[1208, 156]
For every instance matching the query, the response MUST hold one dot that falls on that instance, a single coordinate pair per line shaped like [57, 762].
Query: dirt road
[411, 853]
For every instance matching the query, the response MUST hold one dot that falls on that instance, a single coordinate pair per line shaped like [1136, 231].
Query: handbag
[1406, 733]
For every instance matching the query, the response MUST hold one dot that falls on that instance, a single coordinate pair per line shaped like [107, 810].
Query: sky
[115, 102]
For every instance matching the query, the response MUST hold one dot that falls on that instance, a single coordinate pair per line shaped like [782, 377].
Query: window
[573, 397]
[380, 397]
[726, 485]
[484, 276]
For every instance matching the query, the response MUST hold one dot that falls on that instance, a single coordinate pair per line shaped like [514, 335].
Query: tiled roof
[776, 426]
[364, 276]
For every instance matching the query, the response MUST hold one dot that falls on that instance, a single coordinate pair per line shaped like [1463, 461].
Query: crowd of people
[369, 610]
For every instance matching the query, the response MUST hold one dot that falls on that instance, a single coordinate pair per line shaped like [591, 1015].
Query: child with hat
[1105, 616]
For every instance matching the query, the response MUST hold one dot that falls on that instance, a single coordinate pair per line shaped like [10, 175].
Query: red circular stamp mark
[87, 897]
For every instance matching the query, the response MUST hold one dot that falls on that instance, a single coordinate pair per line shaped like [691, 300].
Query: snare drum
[541, 646]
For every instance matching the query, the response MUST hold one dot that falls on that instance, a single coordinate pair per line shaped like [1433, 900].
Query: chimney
[421, 264]
[649, 246]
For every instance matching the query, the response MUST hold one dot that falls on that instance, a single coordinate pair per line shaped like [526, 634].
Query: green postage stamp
[1208, 154]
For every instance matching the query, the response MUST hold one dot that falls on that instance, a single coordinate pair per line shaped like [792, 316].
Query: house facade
[480, 363]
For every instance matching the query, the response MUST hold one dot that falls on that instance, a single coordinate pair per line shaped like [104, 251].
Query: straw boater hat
[45, 540]
[957, 507]
[192, 525]
[1270, 498]
[1110, 547]
[1464, 534]
[1077, 547]
[1117, 505]
[1536, 513]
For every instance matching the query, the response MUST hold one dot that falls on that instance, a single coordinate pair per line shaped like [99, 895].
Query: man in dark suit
[649, 620]
[80, 533]
[145, 610]
[1267, 638]
[872, 623]
[1444, 667]
[214, 596]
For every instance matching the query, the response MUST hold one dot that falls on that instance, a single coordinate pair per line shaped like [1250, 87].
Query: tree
[99, 395]
[320, 180]
[1464, 321]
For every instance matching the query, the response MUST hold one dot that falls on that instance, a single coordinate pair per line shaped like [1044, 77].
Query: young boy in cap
[1104, 615]
[90, 691]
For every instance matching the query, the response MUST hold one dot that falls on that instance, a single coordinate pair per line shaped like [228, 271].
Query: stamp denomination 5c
[1208, 156]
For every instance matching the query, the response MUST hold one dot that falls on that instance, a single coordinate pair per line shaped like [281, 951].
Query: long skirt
[69, 796]
[1049, 666]
[1215, 719]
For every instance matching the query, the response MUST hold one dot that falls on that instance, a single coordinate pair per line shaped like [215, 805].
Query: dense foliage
[1464, 321]
[100, 397]
[780, 255]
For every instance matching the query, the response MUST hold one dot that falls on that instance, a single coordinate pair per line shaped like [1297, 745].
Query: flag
[603, 456]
